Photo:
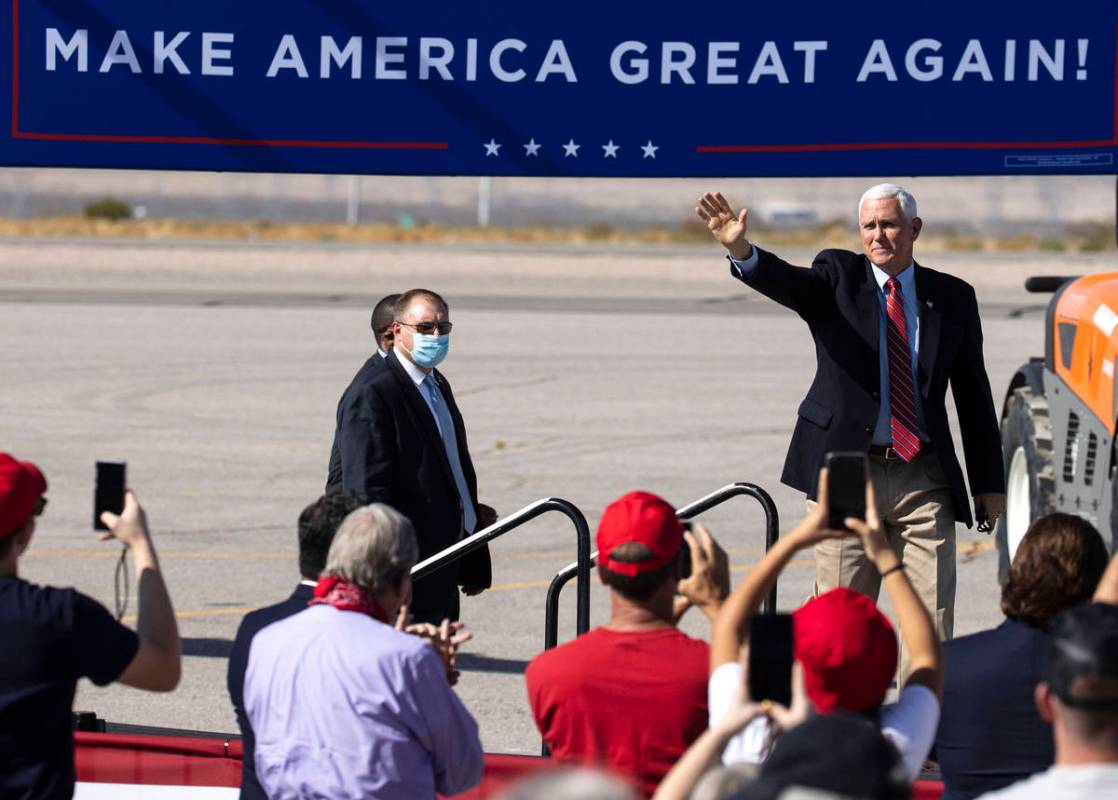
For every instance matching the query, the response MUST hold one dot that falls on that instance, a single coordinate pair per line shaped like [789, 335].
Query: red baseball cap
[848, 651]
[643, 518]
[21, 486]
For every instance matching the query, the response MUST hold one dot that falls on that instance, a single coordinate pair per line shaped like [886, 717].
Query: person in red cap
[52, 637]
[846, 647]
[631, 695]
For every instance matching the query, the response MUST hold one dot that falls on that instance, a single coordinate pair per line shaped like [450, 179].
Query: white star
[650, 149]
[531, 148]
[610, 149]
[491, 148]
[571, 149]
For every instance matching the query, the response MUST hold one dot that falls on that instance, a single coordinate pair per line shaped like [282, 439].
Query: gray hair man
[341, 699]
[890, 335]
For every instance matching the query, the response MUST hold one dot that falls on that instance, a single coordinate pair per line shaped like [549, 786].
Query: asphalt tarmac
[582, 375]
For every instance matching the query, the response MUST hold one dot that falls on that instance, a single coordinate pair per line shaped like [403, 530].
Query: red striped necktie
[902, 399]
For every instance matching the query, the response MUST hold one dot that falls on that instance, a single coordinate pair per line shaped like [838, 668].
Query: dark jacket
[356, 437]
[251, 625]
[990, 733]
[838, 298]
[391, 450]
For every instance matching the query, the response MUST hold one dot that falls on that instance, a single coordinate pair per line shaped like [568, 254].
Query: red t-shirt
[632, 702]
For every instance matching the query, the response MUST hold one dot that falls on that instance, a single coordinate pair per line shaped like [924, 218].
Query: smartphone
[770, 658]
[685, 553]
[846, 487]
[108, 491]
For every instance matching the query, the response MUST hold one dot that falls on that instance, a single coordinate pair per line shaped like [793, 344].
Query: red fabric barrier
[927, 790]
[182, 761]
[170, 760]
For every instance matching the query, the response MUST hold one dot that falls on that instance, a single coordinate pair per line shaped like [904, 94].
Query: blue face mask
[428, 351]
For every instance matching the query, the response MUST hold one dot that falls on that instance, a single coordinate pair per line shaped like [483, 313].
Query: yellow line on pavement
[500, 587]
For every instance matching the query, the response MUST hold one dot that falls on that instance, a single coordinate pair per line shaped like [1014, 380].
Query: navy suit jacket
[838, 298]
[354, 438]
[990, 733]
[252, 624]
[391, 451]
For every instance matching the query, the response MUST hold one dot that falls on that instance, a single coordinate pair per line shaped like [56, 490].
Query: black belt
[890, 453]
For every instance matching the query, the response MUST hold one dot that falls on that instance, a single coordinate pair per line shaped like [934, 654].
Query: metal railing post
[515, 520]
[772, 532]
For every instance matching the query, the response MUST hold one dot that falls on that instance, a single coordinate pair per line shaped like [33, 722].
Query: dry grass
[831, 234]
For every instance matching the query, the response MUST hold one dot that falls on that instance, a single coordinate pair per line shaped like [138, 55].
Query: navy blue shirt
[990, 733]
[48, 639]
[251, 625]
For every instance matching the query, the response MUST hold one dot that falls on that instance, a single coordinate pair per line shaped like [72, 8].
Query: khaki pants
[914, 503]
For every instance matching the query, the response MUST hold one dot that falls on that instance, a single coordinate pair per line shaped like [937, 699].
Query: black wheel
[1029, 472]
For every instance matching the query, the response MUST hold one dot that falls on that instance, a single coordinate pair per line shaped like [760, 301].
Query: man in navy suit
[350, 432]
[404, 444]
[890, 334]
[317, 525]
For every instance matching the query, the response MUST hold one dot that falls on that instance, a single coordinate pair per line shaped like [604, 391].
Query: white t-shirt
[1085, 782]
[910, 724]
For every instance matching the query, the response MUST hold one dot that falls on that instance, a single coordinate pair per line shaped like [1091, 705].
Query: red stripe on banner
[826, 148]
[15, 67]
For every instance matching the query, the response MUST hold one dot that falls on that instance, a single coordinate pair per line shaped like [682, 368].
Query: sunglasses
[40, 504]
[429, 327]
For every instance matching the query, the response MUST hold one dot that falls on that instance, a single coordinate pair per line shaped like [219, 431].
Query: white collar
[906, 277]
[415, 373]
[383, 353]
[306, 582]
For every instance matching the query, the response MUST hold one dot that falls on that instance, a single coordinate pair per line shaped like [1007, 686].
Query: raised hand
[728, 227]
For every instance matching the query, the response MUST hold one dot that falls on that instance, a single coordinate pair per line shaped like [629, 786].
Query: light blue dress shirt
[349, 708]
[882, 433]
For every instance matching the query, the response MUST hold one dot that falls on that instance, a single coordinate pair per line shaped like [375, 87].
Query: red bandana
[345, 596]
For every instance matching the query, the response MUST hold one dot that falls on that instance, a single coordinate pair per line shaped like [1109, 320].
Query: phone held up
[685, 566]
[846, 487]
[770, 658]
[108, 491]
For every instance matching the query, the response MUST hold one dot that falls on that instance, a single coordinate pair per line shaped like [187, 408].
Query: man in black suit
[348, 430]
[889, 336]
[317, 525]
[404, 444]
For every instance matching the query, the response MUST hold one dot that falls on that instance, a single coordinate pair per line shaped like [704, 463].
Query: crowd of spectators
[339, 695]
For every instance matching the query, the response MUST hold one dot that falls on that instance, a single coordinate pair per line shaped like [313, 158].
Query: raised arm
[157, 665]
[917, 630]
[731, 628]
[805, 291]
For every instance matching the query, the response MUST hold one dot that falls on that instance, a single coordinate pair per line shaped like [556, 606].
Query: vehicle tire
[1029, 472]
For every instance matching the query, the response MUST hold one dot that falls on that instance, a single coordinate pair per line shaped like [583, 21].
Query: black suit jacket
[252, 624]
[838, 298]
[354, 438]
[391, 450]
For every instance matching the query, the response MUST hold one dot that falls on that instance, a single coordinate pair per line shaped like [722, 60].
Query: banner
[607, 88]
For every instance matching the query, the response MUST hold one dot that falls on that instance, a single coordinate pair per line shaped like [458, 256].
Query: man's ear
[917, 226]
[23, 536]
[1043, 698]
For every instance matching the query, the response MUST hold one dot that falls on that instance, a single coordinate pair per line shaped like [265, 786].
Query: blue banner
[580, 88]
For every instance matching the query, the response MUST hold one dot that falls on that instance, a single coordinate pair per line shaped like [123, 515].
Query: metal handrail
[717, 497]
[515, 520]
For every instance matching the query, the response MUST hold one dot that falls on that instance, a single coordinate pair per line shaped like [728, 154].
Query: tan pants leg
[914, 503]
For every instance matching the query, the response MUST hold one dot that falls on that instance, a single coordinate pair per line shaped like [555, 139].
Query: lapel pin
[928, 303]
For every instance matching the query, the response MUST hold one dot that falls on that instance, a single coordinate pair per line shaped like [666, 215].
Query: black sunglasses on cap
[40, 504]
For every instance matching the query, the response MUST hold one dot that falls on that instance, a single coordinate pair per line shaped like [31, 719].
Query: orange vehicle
[1059, 415]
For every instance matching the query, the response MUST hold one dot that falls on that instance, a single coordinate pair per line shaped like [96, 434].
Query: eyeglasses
[40, 504]
[429, 327]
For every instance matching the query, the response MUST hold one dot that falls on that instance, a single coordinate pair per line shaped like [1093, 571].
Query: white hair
[374, 546]
[884, 191]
